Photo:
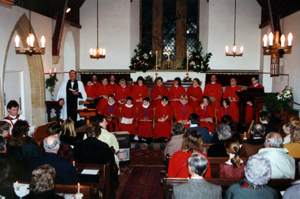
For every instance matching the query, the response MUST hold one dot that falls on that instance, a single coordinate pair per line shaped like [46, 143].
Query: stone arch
[36, 72]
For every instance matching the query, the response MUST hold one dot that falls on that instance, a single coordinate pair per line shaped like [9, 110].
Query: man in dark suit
[65, 171]
[197, 187]
[203, 132]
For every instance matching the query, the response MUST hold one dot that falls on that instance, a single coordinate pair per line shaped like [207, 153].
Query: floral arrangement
[142, 60]
[198, 61]
[277, 102]
[50, 83]
[286, 95]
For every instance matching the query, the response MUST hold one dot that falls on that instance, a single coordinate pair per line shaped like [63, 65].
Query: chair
[72, 189]
[103, 171]
[41, 132]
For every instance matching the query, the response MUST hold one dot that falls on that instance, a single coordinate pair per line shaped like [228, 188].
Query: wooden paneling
[157, 26]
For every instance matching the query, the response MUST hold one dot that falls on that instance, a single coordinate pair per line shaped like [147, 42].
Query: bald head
[273, 140]
[51, 144]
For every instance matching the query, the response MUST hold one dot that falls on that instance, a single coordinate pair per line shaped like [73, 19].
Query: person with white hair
[282, 164]
[257, 175]
[65, 172]
[197, 186]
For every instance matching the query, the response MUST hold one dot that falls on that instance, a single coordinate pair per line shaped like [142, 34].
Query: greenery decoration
[50, 83]
[278, 102]
[142, 59]
[198, 59]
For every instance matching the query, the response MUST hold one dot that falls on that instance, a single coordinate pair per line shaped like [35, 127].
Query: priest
[71, 95]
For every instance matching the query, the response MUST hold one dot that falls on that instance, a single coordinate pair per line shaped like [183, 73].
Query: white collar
[110, 104]
[13, 117]
[197, 177]
[193, 125]
[146, 106]
[129, 106]
[213, 82]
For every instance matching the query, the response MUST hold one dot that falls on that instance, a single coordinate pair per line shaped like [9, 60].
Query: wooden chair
[41, 132]
[72, 189]
[103, 174]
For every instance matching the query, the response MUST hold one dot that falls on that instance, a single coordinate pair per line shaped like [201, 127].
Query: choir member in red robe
[225, 109]
[130, 84]
[163, 119]
[214, 91]
[139, 91]
[95, 81]
[194, 93]
[90, 90]
[110, 110]
[175, 92]
[113, 84]
[104, 90]
[122, 92]
[249, 107]
[127, 116]
[182, 111]
[158, 91]
[231, 94]
[145, 119]
[206, 114]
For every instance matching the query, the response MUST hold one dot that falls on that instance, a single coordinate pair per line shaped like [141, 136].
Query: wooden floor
[141, 178]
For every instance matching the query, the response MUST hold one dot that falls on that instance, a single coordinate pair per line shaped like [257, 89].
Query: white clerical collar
[146, 106]
[13, 117]
[129, 105]
[111, 103]
[197, 177]
[193, 125]
[213, 82]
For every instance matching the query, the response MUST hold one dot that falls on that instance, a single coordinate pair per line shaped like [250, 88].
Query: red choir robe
[121, 94]
[174, 94]
[127, 118]
[104, 91]
[249, 111]
[156, 92]
[182, 112]
[194, 92]
[139, 93]
[230, 93]
[145, 121]
[206, 112]
[163, 129]
[224, 111]
[114, 87]
[110, 111]
[91, 91]
[214, 90]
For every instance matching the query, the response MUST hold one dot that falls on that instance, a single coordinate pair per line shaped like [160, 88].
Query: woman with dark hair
[158, 91]
[206, 114]
[194, 93]
[139, 91]
[178, 168]
[175, 91]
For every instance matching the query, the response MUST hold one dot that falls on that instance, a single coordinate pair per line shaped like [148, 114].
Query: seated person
[234, 166]
[293, 192]
[258, 134]
[68, 134]
[4, 129]
[6, 180]
[192, 143]
[176, 140]
[282, 165]
[294, 146]
[65, 171]
[42, 183]
[197, 186]
[257, 176]
[289, 127]
[203, 132]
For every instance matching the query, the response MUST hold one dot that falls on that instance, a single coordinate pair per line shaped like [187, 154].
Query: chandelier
[234, 52]
[276, 46]
[97, 53]
[30, 48]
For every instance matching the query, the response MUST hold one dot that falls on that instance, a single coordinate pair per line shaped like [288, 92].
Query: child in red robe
[145, 119]
[194, 93]
[175, 92]
[231, 94]
[158, 91]
[110, 110]
[127, 116]
[122, 92]
[183, 111]
[139, 91]
[206, 114]
[214, 91]
[104, 90]
[226, 109]
[163, 119]
[90, 90]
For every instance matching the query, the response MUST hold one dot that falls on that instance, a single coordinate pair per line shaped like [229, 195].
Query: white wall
[291, 62]
[114, 33]
[220, 31]
[203, 23]
[134, 25]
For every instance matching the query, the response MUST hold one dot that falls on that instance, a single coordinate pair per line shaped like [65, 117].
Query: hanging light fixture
[276, 45]
[97, 53]
[235, 50]
[30, 48]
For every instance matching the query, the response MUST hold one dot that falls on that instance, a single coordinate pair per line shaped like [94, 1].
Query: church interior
[149, 99]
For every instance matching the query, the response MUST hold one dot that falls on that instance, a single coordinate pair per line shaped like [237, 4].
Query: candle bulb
[78, 187]
[282, 40]
[241, 49]
[50, 71]
[17, 41]
[43, 42]
[156, 59]
[187, 61]
[271, 37]
[290, 39]
[54, 70]
[226, 49]
[265, 40]
[234, 49]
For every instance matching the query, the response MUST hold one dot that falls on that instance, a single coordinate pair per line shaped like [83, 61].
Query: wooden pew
[72, 189]
[41, 132]
[103, 174]
[169, 183]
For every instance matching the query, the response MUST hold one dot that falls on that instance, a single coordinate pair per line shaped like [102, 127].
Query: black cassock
[72, 99]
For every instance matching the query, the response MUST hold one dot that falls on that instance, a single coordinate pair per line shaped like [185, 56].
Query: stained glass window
[192, 33]
[146, 24]
[169, 27]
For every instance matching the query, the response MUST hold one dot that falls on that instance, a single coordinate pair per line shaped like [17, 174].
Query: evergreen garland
[142, 60]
